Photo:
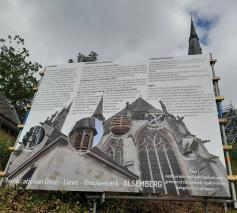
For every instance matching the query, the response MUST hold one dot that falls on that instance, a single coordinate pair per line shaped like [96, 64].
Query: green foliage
[6, 140]
[17, 72]
[231, 211]
[21, 200]
[233, 157]
[82, 58]
[234, 165]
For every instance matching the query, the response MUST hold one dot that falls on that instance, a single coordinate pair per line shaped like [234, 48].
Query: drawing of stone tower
[194, 45]
[54, 124]
[82, 135]
[61, 117]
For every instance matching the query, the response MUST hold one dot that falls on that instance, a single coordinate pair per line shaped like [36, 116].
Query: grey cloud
[56, 30]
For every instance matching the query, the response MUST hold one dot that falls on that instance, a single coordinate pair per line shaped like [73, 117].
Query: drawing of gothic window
[87, 137]
[118, 155]
[111, 152]
[83, 134]
[82, 139]
[77, 140]
[158, 161]
[115, 149]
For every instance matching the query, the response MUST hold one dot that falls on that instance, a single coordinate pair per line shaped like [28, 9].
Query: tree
[82, 58]
[17, 73]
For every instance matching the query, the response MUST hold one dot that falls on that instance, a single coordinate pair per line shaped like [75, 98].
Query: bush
[6, 140]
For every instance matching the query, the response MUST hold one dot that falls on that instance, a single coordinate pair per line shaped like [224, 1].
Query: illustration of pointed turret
[61, 117]
[99, 110]
[194, 45]
[163, 107]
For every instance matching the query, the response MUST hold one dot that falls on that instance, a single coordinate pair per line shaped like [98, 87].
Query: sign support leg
[103, 197]
[225, 207]
[94, 206]
[222, 128]
[205, 205]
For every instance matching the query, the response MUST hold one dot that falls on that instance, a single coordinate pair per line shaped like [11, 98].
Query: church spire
[99, 111]
[69, 106]
[61, 117]
[194, 46]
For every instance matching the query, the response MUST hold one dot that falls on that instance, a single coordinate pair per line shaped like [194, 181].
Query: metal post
[225, 207]
[94, 206]
[222, 128]
[103, 197]
[205, 205]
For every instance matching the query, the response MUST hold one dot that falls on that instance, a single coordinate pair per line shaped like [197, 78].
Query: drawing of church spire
[99, 110]
[163, 108]
[61, 117]
[194, 45]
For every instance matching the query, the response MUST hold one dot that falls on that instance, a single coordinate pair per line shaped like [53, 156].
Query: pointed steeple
[69, 106]
[61, 117]
[194, 46]
[99, 110]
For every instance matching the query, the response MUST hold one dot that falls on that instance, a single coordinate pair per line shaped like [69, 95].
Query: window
[158, 160]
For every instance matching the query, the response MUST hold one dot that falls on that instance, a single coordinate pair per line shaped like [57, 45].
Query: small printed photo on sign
[33, 137]
[86, 134]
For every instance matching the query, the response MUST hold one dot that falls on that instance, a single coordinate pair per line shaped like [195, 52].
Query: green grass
[232, 211]
[233, 157]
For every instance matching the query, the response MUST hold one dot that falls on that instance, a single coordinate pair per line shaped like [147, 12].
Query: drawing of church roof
[31, 164]
[62, 142]
[146, 150]
[137, 110]
[140, 105]
[163, 147]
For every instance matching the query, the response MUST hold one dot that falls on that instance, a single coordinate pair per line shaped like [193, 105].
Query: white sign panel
[149, 126]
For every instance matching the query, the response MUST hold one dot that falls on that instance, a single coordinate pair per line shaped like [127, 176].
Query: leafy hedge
[6, 140]
[21, 200]
[29, 201]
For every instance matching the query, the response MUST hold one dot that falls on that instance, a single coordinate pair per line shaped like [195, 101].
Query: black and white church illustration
[143, 149]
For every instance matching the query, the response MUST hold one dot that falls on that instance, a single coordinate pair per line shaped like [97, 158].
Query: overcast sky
[55, 30]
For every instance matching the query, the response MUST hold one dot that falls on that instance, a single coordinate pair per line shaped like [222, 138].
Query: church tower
[194, 45]
[61, 117]
[82, 135]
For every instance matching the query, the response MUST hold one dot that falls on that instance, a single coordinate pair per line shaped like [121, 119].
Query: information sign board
[149, 126]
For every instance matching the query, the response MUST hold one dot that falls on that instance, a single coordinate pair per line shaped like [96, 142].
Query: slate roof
[136, 109]
[194, 45]
[140, 105]
[25, 159]
[8, 115]
[193, 33]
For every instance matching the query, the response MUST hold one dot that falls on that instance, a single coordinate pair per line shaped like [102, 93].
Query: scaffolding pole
[222, 128]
